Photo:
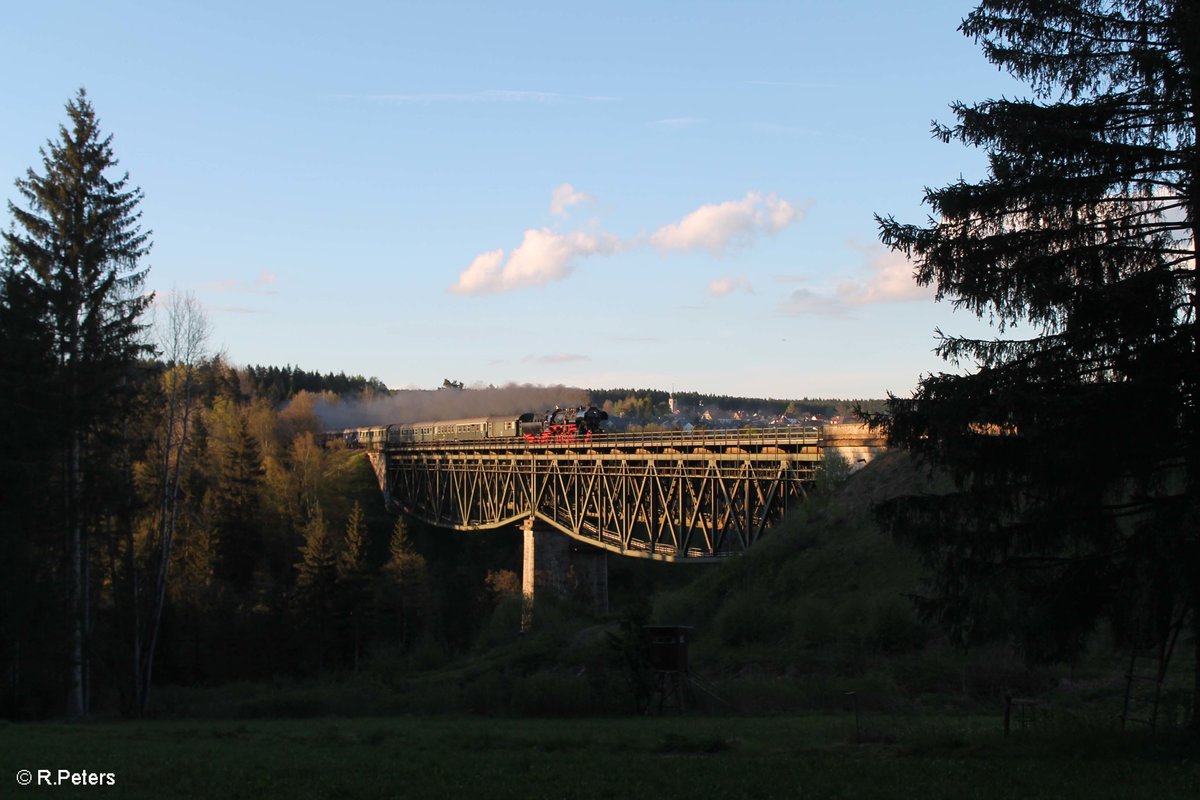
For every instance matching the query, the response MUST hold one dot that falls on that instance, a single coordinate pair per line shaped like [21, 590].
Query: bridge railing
[792, 435]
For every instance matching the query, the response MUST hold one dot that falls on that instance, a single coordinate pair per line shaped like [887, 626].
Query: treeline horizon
[281, 384]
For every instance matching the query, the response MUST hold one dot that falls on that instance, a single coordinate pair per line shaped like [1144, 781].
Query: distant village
[692, 412]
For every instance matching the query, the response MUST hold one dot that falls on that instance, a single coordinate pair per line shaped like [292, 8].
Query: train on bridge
[557, 425]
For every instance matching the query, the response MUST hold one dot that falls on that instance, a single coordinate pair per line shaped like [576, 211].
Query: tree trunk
[76, 697]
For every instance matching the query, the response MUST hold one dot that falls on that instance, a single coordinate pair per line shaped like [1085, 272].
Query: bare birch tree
[182, 341]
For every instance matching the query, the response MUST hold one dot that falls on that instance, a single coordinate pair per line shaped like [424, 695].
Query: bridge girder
[669, 497]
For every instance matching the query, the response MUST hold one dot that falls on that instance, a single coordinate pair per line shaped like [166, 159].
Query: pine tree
[354, 578]
[1075, 442]
[316, 579]
[79, 240]
[404, 586]
[353, 559]
[236, 505]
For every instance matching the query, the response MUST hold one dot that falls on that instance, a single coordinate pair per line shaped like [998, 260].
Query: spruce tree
[316, 579]
[354, 578]
[236, 505]
[79, 240]
[1074, 438]
[404, 583]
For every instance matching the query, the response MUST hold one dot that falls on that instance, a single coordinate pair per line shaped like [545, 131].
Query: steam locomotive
[559, 425]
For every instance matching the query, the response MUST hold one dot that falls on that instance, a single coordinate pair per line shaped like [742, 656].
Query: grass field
[693, 757]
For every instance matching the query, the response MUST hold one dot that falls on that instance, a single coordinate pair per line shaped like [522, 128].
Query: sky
[623, 194]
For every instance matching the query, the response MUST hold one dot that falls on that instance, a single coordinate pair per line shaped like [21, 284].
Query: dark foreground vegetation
[817, 756]
[816, 618]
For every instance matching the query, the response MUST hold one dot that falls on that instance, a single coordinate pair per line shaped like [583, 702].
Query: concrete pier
[552, 562]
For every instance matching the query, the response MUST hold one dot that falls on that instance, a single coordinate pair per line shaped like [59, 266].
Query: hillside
[825, 579]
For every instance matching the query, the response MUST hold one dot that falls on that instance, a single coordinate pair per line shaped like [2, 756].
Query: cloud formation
[564, 197]
[804, 302]
[546, 255]
[258, 286]
[723, 286]
[718, 226]
[888, 278]
[543, 256]
[885, 277]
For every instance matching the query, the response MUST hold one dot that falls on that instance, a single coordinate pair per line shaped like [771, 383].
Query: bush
[504, 624]
[751, 617]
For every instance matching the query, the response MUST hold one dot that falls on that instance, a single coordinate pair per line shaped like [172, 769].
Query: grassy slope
[826, 578]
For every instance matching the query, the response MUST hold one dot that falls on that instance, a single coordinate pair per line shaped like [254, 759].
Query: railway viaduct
[673, 496]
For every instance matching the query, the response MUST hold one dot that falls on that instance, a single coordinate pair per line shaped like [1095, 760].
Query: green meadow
[818, 756]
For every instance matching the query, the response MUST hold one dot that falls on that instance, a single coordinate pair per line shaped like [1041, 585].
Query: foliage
[403, 589]
[73, 287]
[279, 384]
[1074, 443]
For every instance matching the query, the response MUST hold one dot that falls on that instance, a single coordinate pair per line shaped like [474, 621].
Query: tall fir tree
[404, 584]
[354, 580]
[1075, 442]
[316, 580]
[79, 240]
[236, 505]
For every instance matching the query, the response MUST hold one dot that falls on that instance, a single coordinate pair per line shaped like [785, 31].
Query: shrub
[751, 617]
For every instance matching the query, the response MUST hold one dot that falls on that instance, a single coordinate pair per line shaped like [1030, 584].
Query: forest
[174, 526]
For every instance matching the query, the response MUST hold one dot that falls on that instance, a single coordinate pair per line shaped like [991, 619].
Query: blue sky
[624, 194]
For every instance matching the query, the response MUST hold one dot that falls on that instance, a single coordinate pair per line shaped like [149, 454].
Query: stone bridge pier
[552, 562]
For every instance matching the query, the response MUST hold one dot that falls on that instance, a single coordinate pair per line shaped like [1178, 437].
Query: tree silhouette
[1074, 443]
[79, 241]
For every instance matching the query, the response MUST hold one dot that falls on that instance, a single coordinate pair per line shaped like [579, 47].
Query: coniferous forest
[166, 517]
[178, 538]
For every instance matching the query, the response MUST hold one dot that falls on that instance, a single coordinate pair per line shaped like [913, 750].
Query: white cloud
[542, 257]
[545, 255]
[885, 277]
[564, 197]
[888, 277]
[723, 286]
[718, 226]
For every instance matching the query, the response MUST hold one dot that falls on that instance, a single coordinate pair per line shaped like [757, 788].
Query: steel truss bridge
[669, 496]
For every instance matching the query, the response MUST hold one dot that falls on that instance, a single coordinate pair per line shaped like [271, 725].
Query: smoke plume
[428, 405]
